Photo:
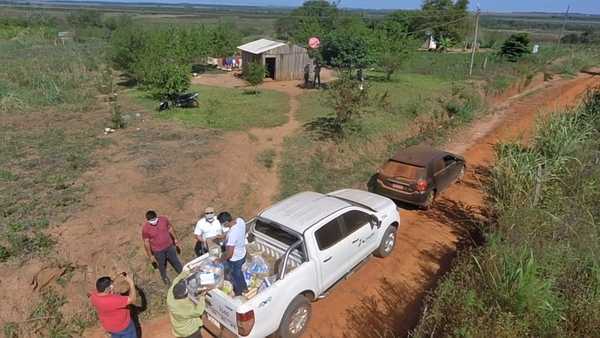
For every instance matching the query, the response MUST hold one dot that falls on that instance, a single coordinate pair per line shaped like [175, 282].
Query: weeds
[267, 158]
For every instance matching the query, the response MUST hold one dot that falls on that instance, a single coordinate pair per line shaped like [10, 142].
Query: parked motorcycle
[179, 100]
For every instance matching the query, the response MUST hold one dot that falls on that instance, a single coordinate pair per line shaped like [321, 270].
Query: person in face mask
[160, 244]
[207, 228]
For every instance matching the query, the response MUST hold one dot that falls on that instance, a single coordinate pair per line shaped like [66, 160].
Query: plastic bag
[267, 282]
[258, 265]
[205, 276]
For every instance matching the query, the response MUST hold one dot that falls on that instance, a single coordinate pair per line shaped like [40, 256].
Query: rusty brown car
[417, 174]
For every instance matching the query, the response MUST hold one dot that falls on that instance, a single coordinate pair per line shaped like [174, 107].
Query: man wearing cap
[113, 309]
[185, 315]
[207, 228]
[160, 244]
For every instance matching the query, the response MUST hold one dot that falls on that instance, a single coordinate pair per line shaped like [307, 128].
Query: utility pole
[475, 40]
[562, 30]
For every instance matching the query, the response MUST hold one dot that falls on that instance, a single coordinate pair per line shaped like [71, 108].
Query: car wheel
[387, 243]
[461, 174]
[295, 319]
[429, 200]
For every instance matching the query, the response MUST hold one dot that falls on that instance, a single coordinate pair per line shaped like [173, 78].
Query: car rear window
[404, 170]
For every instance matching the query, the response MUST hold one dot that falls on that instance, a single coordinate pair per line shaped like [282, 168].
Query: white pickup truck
[315, 241]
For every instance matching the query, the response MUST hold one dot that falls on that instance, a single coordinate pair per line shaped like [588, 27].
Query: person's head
[224, 217]
[180, 290]
[152, 217]
[209, 214]
[104, 284]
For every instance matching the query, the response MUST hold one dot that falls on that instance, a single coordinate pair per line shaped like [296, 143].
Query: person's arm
[227, 254]
[148, 249]
[172, 232]
[132, 291]
[198, 232]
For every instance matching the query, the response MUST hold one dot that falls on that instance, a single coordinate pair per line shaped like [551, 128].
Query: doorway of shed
[270, 65]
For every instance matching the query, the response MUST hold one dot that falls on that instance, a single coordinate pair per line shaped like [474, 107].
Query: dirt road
[384, 297]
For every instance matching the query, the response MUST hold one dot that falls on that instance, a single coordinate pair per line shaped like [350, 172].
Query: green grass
[225, 108]
[267, 158]
[45, 143]
[312, 163]
[538, 274]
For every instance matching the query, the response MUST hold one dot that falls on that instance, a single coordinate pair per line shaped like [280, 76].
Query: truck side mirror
[375, 222]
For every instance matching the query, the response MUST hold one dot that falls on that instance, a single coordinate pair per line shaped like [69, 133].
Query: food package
[258, 265]
[214, 248]
[227, 288]
[267, 282]
[207, 275]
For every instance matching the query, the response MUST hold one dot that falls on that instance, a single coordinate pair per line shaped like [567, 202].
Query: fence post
[538, 186]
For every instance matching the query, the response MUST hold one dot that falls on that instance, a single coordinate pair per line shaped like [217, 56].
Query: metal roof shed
[282, 61]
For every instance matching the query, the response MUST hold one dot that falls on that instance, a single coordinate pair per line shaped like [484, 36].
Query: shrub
[254, 74]
[515, 47]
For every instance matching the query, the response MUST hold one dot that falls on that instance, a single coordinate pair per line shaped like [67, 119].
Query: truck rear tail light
[245, 322]
[421, 185]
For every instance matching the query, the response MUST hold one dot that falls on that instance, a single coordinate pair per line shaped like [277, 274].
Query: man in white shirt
[235, 252]
[207, 228]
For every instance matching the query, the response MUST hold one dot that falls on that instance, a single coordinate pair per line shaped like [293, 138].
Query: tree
[348, 47]
[223, 40]
[348, 98]
[85, 18]
[313, 18]
[254, 74]
[443, 19]
[515, 47]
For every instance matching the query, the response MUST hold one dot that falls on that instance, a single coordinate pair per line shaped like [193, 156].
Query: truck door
[333, 251]
[359, 230]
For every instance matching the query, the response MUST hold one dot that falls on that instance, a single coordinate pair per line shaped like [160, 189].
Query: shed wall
[290, 61]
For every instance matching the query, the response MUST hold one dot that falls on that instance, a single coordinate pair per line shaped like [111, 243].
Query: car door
[361, 233]
[452, 168]
[440, 176]
[334, 251]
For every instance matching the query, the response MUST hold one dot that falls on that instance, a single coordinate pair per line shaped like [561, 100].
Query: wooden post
[562, 30]
[538, 186]
[474, 42]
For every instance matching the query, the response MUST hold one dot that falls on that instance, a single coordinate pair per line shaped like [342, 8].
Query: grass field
[225, 108]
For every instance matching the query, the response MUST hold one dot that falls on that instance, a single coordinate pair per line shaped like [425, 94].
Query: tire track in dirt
[384, 297]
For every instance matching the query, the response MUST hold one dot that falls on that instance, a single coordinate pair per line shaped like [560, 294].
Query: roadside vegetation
[538, 272]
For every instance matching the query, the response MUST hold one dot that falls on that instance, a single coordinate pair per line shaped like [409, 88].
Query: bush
[515, 47]
[254, 74]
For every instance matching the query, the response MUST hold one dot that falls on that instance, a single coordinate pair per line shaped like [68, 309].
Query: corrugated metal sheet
[260, 46]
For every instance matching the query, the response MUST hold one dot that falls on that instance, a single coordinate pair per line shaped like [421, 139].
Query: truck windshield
[275, 232]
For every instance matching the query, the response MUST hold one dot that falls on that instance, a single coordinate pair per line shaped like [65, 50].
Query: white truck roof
[299, 212]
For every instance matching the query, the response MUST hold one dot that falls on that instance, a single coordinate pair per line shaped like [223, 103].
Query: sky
[577, 6]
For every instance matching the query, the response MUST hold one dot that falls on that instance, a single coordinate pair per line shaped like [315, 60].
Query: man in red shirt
[112, 308]
[159, 242]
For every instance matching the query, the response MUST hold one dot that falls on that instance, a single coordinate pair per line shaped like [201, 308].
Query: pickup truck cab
[314, 240]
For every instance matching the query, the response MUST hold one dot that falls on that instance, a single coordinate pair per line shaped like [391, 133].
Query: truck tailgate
[221, 308]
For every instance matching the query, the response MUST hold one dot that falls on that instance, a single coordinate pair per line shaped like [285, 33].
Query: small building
[430, 43]
[282, 61]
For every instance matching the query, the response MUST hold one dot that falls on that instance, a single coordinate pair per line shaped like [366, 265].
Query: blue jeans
[237, 276]
[129, 332]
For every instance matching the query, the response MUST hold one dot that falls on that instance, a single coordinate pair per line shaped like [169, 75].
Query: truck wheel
[387, 243]
[295, 318]
[461, 174]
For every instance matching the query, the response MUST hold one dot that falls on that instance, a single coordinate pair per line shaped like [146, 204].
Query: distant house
[63, 37]
[282, 61]
[430, 43]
